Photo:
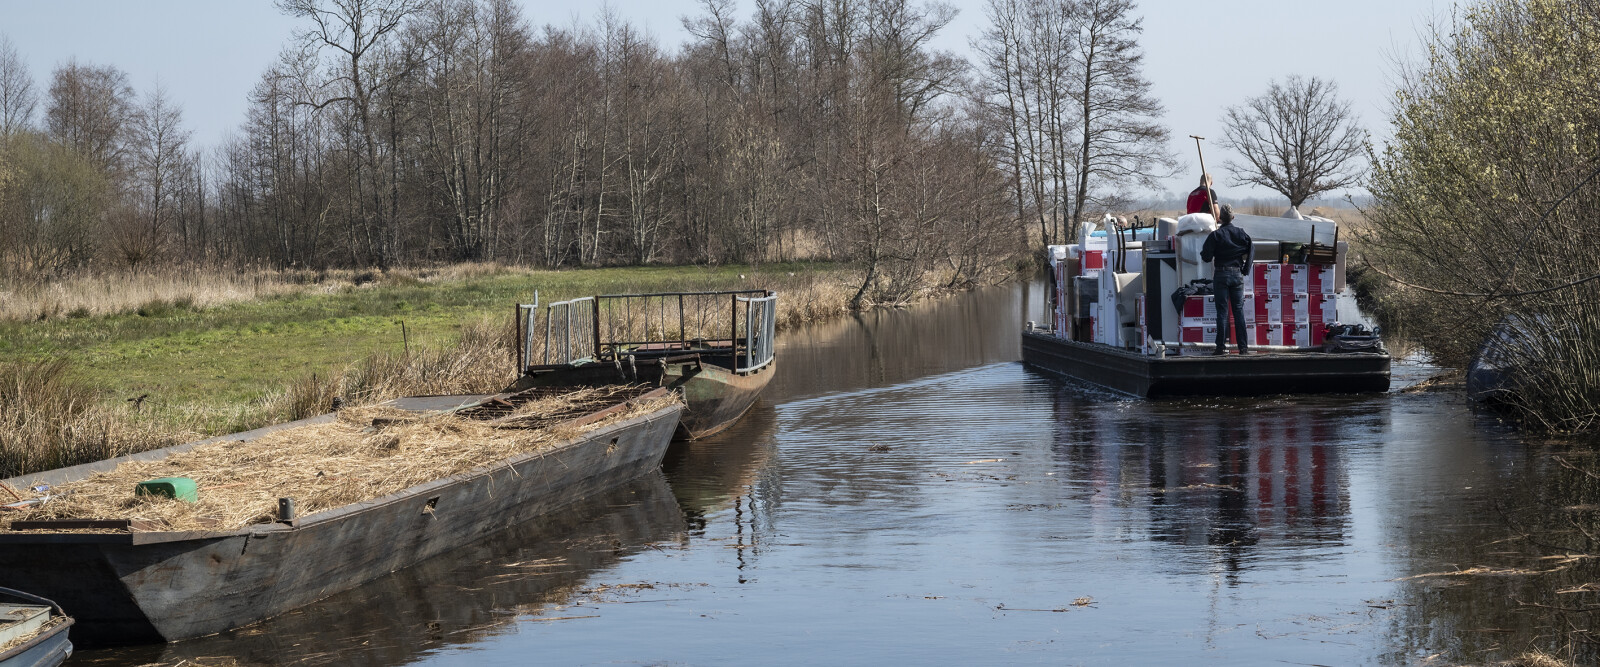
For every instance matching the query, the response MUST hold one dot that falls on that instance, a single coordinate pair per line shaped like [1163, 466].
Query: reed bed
[366, 453]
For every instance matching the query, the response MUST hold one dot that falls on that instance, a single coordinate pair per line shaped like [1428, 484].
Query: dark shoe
[1219, 352]
[1244, 350]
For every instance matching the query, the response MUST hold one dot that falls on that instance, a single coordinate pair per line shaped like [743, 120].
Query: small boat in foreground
[1124, 317]
[125, 585]
[33, 631]
[715, 348]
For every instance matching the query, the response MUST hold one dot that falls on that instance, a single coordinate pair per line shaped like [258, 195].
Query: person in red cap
[1204, 199]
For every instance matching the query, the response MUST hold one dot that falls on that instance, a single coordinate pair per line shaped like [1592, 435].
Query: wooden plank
[73, 524]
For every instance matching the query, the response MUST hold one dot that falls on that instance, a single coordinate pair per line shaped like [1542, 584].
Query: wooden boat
[1139, 374]
[1121, 318]
[126, 586]
[37, 627]
[528, 569]
[715, 348]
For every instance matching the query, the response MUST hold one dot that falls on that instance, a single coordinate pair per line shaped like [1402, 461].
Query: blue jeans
[1227, 284]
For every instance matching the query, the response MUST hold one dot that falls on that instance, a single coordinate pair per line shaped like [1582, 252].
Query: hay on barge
[127, 583]
[1126, 315]
[715, 348]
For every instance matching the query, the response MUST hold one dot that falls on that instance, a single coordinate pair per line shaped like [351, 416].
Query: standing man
[1203, 199]
[1229, 251]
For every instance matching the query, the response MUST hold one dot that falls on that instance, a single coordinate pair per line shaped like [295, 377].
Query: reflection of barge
[128, 586]
[1123, 328]
[715, 348]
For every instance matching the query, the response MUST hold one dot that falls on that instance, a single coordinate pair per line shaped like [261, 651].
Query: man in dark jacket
[1229, 251]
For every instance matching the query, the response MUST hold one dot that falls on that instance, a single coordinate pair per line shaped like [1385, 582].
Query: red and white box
[1297, 334]
[1263, 277]
[1208, 334]
[1295, 278]
[1319, 279]
[1324, 309]
[1268, 308]
[1198, 311]
[1296, 308]
[1269, 334]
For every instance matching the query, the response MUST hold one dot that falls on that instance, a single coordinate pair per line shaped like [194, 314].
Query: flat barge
[1256, 374]
[131, 586]
[1132, 312]
[716, 349]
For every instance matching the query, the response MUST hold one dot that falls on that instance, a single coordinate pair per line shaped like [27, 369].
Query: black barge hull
[1231, 375]
[144, 587]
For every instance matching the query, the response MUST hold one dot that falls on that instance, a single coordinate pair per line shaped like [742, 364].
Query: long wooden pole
[1216, 214]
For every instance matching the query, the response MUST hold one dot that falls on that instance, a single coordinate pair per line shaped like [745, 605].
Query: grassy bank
[113, 373]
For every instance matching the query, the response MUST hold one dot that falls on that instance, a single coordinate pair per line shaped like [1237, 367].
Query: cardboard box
[1296, 308]
[1324, 309]
[1320, 279]
[1094, 322]
[1268, 278]
[1269, 334]
[1269, 308]
[1208, 334]
[1198, 311]
[1297, 334]
[1295, 278]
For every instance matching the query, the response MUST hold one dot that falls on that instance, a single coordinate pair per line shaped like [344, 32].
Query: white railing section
[569, 331]
[760, 319]
[527, 315]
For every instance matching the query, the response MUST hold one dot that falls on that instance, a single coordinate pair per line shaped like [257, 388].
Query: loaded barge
[127, 583]
[715, 348]
[1125, 316]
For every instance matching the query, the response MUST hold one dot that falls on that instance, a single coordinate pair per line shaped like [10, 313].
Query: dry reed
[321, 466]
[48, 420]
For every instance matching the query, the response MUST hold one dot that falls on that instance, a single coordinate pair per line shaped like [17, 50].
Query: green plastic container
[181, 488]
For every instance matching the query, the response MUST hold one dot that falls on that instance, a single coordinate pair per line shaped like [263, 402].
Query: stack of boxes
[1284, 304]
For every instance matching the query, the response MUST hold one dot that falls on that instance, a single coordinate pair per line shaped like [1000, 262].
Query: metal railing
[614, 326]
[569, 331]
[760, 317]
[527, 315]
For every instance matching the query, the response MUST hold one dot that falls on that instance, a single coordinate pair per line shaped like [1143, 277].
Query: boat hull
[714, 396]
[1231, 375]
[146, 587]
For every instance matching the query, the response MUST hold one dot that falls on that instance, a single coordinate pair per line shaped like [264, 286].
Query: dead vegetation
[47, 421]
[366, 453]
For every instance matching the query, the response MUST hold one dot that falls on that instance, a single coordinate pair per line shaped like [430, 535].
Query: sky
[1201, 57]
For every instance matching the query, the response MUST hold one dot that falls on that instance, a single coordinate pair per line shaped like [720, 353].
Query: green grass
[226, 356]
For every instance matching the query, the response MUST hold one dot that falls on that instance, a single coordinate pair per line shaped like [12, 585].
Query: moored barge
[126, 585]
[1120, 321]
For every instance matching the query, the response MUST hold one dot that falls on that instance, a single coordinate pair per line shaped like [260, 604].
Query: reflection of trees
[1233, 478]
[889, 346]
[459, 597]
[1510, 568]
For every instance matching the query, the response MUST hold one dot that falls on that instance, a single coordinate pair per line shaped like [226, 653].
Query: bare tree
[159, 162]
[359, 32]
[17, 95]
[89, 109]
[1120, 141]
[1298, 139]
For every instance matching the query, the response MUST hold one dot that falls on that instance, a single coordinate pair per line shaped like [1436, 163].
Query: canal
[908, 492]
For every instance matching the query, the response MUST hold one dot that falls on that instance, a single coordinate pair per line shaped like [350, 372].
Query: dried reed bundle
[367, 453]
